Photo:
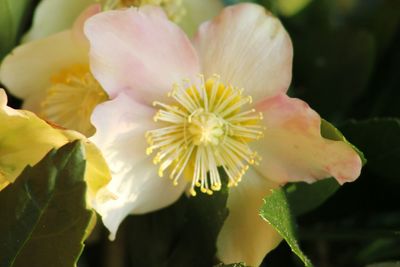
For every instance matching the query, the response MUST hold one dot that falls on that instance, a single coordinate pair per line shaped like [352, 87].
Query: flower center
[205, 127]
[173, 8]
[71, 98]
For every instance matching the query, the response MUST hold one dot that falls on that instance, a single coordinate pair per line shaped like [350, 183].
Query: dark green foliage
[181, 235]
[44, 215]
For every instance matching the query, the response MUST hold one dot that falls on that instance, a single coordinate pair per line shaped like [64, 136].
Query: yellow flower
[25, 139]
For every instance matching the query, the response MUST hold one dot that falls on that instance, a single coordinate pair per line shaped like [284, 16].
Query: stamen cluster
[71, 98]
[203, 128]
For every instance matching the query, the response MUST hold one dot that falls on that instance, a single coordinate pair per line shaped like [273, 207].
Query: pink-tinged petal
[245, 236]
[294, 150]
[135, 187]
[248, 48]
[139, 51]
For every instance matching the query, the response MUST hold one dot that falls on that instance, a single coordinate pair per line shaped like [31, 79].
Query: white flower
[219, 102]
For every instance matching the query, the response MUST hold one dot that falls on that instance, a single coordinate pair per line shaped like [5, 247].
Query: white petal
[136, 190]
[248, 48]
[135, 187]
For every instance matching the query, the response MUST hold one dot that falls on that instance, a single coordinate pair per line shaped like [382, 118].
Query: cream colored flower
[181, 110]
[52, 77]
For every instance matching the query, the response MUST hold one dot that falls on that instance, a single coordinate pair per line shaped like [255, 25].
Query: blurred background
[347, 67]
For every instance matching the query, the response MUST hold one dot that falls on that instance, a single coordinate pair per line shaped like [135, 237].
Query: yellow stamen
[205, 127]
[71, 98]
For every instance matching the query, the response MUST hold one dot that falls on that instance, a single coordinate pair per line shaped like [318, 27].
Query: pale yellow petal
[25, 139]
[245, 236]
[28, 70]
[52, 16]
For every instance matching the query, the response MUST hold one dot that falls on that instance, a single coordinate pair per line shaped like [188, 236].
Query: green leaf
[380, 140]
[44, 217]
[7, 34]
[183, 234]
[305, 197]
[276, 211]
[12, 18]
[380, 249]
